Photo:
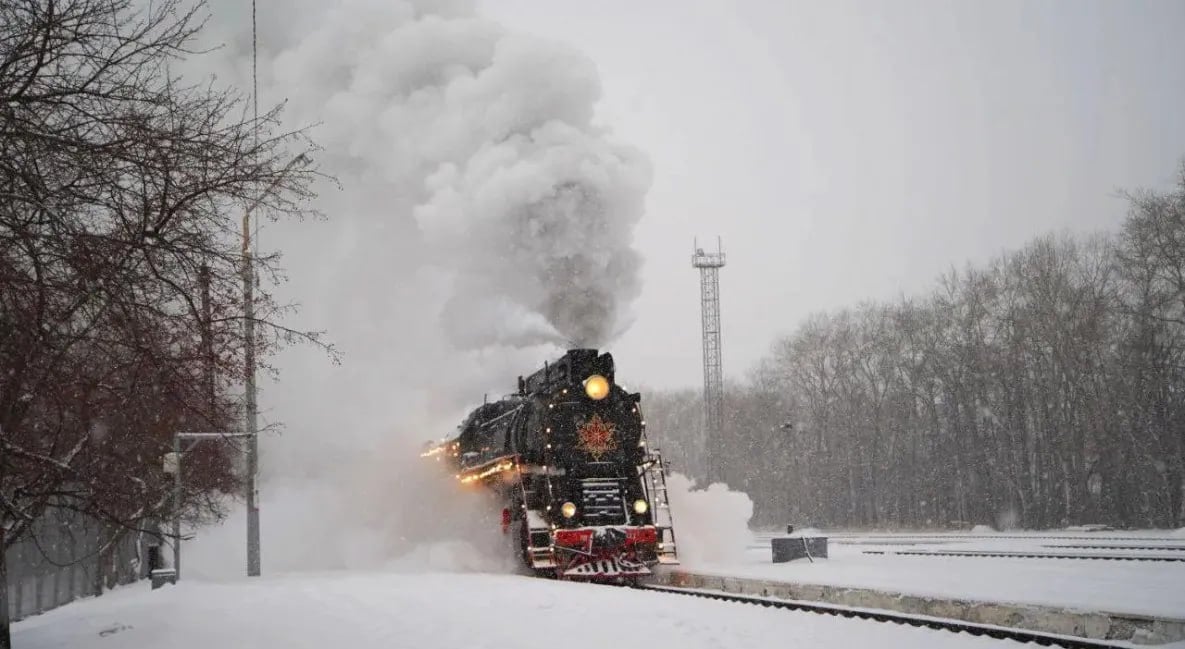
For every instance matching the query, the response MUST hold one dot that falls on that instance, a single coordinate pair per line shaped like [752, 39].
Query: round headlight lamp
[640, 506]
[596, 387]
[568, 509]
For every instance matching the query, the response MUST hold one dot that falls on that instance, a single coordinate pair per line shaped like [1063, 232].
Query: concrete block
[790, 548]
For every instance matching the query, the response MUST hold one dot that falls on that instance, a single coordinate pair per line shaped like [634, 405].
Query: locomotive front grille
[603, 502]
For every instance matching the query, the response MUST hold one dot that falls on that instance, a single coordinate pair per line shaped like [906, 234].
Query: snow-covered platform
[867, 562]
[359, 611]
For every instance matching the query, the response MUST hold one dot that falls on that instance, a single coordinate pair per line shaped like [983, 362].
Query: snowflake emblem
[596, 437]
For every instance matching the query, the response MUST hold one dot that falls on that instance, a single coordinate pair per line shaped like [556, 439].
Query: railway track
[1013, 554]
[959, 537]
[941, 624]
[1178, 548]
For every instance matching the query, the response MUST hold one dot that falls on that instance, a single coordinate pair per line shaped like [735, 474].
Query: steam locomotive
[583, 496]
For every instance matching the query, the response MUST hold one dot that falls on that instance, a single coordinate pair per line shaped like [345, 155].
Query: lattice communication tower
[709, 265]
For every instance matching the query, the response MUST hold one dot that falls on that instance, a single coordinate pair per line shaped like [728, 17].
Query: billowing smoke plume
[539, 224]
[485, 138]
[536, 210]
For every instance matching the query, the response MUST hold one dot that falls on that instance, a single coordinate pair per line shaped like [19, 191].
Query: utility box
[790, 548]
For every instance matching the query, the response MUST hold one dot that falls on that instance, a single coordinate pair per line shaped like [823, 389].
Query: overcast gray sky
[851, 150]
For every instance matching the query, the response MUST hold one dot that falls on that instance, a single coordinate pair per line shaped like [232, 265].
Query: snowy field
[349, 610]
[1151, 588]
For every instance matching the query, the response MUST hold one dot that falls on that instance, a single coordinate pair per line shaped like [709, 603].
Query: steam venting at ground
[483, 219]
[712, 524]
[414, 518]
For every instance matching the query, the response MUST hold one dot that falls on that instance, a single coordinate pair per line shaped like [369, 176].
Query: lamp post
[172, 465]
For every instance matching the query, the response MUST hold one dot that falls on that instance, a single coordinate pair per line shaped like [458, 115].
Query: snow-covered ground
[351, 610]
[352, 588]
[1151, 588]
[421, 603]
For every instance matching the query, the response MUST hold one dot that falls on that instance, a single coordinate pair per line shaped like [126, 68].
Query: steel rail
[1172, 548]
[1014, 554]
[940, 624]
[955, 536]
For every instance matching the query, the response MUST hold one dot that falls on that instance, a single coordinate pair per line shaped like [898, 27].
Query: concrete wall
[1138, 629]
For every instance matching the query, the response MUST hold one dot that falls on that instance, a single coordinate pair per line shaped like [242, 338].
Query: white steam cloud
[483, 219]
[712, 524]
[479, 144]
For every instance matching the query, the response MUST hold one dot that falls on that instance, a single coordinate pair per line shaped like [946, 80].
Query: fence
[60, 562]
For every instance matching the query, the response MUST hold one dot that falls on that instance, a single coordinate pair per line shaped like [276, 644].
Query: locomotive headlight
[568, 509]
[640, 506]
[596, 387]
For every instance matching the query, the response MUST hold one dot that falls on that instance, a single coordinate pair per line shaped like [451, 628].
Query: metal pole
[177, 508]
[208, 344]
[251, 407]
[5, 633]
[252, 428]
[249, 311]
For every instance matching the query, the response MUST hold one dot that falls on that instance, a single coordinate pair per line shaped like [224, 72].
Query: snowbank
[360, 611]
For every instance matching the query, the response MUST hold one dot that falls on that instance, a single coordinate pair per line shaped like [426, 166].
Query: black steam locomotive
[583, 496]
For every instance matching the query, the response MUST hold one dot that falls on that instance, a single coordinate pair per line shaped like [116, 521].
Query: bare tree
[121, 193]
[1044, 388]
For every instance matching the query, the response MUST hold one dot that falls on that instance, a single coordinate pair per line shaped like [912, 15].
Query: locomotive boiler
[583, 496]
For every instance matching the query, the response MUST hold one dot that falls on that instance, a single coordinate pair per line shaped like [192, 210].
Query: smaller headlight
[568, 509]
[640, 506]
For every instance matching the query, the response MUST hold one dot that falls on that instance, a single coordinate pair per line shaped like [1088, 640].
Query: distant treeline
[1046, 388]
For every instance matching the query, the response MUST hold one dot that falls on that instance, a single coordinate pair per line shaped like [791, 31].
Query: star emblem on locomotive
[597, 437]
